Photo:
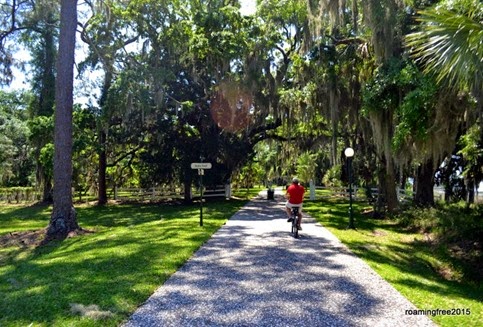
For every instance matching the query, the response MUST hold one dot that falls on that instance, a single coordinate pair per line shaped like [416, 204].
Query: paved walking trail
[252, 272]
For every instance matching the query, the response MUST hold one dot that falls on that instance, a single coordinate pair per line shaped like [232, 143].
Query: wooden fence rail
[30, 195]
[157, 194]
[20, 195]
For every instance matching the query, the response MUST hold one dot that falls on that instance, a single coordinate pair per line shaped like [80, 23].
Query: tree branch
[13, 22]
[125, 155]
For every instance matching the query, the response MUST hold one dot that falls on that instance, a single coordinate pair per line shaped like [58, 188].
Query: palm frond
[450, 46]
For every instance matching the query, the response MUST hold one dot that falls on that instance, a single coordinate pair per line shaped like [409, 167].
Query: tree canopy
[183, 80]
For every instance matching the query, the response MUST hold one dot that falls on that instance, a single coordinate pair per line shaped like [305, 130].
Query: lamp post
[349, 153]
[201, 172]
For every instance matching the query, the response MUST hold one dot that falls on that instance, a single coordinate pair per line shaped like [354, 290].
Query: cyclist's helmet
[295, 180]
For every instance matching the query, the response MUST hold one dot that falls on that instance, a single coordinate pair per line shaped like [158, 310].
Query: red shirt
[296, 193]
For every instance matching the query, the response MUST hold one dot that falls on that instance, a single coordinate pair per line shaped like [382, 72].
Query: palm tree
[449, 44]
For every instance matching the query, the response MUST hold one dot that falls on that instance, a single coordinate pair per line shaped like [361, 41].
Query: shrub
[333, 176]
[451, 221]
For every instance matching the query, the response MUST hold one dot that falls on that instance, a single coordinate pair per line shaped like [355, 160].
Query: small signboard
[201, 165]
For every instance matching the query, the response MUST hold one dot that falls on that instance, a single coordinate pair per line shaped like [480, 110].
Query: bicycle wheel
[295, 230]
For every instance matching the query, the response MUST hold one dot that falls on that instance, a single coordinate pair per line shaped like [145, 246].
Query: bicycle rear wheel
[295, 230]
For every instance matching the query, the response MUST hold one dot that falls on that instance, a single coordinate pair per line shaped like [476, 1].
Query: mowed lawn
[99, 278]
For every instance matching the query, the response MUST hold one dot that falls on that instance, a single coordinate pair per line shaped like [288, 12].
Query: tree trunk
[424, 183]
[43, 180]
[380, 203]
[102, 169]
[381, 121]
[387, 196]
[63, 220]
[187, 187]
[102, 134]
[47, 92]
[470, 187]
[46, 101]
[46, 190]
[334, 109]
[391, 195]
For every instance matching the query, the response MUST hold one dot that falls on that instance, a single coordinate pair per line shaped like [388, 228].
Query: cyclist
[295, 197]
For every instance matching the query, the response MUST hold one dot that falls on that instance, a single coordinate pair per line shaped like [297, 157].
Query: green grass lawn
[248, 193]
[99, 278]
[405, 260]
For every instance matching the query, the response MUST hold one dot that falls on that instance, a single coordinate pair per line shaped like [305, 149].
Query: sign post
[201, 166]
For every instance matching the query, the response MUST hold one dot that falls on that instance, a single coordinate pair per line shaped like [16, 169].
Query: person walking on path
[295, 198]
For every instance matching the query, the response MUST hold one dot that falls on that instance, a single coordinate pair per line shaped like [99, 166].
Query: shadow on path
[252, 272]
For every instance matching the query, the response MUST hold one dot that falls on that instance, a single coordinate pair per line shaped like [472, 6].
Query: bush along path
[252, 272]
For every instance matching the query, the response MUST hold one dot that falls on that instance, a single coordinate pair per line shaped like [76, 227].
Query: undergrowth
[452, 230]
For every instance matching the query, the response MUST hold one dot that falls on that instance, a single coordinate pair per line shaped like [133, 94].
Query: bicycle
[295, 221]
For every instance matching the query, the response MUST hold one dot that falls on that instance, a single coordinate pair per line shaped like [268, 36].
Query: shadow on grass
[407, 260]
[408, 257]
[16, 218]
[135, 249]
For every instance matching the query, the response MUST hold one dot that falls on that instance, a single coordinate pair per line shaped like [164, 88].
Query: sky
[247, 7]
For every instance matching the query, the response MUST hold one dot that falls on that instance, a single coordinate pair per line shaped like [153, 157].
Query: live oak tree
[322, 75]
[107, 33]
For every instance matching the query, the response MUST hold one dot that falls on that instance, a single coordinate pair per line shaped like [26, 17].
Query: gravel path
[252, 272]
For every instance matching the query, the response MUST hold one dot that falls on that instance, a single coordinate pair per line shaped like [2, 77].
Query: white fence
[217, 192]
[151, 194]
[19, 195]
[160, 194]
